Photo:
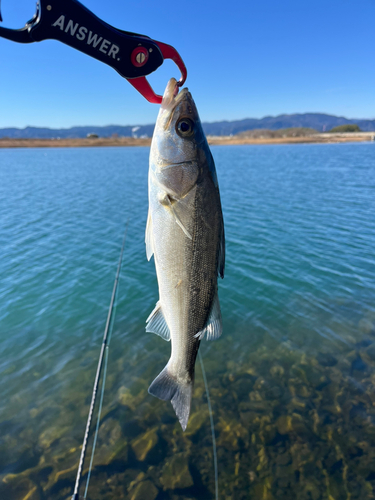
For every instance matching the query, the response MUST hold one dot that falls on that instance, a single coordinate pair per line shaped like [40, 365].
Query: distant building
[92, 136]
[134, 132]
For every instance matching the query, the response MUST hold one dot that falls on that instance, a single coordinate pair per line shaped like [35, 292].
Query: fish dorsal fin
[213, 328]
[156, 323]
[221, 256]
[148, 237]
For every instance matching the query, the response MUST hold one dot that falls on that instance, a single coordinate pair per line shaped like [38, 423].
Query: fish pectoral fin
[148, 237]
[214, 327]
[178, 218]
[156, 323]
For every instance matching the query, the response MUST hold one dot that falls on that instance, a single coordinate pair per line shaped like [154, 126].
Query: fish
[185, 234]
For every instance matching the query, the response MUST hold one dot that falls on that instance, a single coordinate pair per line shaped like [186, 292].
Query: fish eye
[185, 127]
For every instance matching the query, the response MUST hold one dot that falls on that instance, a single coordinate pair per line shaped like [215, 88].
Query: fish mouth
[172, 97]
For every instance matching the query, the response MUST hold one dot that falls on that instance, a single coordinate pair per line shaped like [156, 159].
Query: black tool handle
[68, 21]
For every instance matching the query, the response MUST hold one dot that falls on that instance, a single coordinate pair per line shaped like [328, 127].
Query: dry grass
[72, 143]
[251, 137]
[308, 138]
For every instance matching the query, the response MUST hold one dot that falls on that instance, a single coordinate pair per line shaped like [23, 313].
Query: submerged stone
[14, 487]
[277, 371]
[144, 444]
[366, 326]
[358, 364]
[196, 422]
[233, 435]
[111, 443]
[284, 424]
[145, 491]
[176, 473]
[371, 352]
[326, 359]
[52, 434]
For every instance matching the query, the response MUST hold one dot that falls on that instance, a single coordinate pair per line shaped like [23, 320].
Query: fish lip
[167, 111]
[176, 100]
[170, 100]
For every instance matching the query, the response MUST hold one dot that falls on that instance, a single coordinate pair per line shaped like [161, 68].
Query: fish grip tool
[132, 55]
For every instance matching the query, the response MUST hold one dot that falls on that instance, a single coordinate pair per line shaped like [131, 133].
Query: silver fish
[185, 233]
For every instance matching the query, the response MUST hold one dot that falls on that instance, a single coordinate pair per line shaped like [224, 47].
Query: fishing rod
[98, 372]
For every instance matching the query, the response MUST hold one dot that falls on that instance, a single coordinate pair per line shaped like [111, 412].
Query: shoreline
[324, 138]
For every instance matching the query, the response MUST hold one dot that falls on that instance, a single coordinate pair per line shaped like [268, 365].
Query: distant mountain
[318, 121]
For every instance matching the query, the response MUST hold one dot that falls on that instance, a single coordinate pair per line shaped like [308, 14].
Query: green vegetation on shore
[351, 127]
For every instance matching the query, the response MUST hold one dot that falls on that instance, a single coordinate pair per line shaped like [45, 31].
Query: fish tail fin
[167, 387]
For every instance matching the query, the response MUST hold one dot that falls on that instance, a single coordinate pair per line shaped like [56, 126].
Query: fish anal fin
[213, 328]
[148, 237]
[156, 323]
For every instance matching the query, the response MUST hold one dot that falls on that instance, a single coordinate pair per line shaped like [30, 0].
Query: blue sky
[244, 59]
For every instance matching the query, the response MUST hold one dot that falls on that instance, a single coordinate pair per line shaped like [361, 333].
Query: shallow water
[292, 379]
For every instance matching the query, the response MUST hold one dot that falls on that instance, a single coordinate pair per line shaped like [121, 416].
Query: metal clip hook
[132, 55]
[22, 35]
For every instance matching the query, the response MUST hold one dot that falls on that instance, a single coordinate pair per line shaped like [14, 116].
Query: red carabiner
[141, 84]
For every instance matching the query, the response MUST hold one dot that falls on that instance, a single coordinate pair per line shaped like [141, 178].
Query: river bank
[212, 140]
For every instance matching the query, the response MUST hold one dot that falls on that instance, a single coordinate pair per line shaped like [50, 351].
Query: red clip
[141, 84]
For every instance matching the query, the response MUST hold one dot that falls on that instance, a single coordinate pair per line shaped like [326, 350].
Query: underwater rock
[269, 434]
[364, 343]
[111, 443]
[145, 491]
[358, 364]
[52, 434]
[196, 422]
[323, 382]
[366, 326]
[277, 371]
[370, 351]
[126, 397]
[283, 459]
[13, 487]
[275, 392]
[325, 359]
[312, 491]
[233, 435]
[176, 473]
[243, 385]
[284, 424]
[302, 391]
[144, 444]
[262, 490]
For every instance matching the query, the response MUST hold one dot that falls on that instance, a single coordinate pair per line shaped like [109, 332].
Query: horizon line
[203, 122]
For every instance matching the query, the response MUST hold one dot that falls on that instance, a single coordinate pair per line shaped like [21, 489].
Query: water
[292, 378]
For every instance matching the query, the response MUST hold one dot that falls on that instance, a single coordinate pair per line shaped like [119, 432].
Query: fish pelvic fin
[156, 323]
[168, 388]
[214, 327]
